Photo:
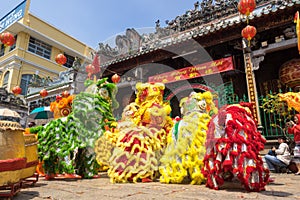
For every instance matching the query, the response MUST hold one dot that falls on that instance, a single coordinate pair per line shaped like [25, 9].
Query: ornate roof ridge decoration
[37, 81]
[9, 98]
[212, 15]
[66, 77]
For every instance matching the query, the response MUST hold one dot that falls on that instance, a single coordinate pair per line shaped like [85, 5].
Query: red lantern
[58, 98]
[43, 93]
[65, 94]
[7, 39]
[246, 6]
[249, 32]
[17, 90]
[90, 69]
[115, 78]
[61, 59]
[96, 64]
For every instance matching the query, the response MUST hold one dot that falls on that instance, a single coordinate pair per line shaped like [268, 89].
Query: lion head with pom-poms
[62, 106]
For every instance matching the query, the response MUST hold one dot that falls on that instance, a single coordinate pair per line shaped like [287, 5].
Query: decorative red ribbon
[12, 164]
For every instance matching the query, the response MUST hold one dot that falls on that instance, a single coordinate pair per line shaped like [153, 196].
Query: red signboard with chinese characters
[213, 67]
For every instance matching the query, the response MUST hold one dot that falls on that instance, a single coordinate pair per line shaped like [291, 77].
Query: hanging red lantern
[61, 59]
[115, 78]
[58, 98]
[90, 69]
[7, 39]
[96, 64]
[65, 94]
[43, 93]
[249, 32]
[245, 7]
[17, 90]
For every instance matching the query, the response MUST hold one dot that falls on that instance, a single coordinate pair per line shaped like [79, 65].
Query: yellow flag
[297, 21]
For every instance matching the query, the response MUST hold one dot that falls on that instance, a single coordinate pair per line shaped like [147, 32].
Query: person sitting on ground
[294, 128]
[282, 159]
[272, 151]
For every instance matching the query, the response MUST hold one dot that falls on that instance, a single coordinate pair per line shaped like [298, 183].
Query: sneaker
[283, 170]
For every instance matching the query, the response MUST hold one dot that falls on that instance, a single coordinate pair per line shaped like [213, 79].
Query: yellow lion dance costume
[183, 158]
[138, 146]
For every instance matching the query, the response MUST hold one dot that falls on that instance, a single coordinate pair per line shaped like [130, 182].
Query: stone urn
[12, 147]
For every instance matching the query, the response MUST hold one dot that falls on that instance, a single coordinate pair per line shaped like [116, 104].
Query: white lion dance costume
[137, 149]
[183, 158]
[233, 144]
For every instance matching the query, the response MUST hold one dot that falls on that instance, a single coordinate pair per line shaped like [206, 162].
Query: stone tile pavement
[286, 186]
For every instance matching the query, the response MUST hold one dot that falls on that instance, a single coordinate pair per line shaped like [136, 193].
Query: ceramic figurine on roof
[138, 148]
[183, 158]
[232, 149]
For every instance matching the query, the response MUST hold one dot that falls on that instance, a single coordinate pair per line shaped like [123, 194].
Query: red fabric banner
[213, 67]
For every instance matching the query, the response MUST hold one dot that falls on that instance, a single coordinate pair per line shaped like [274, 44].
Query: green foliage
[36, 129]
[272, 105]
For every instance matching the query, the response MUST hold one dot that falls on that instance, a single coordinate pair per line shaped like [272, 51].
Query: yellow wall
[59, 36]
[20, 61]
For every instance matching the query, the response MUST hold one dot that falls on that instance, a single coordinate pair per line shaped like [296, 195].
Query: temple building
[203, 49]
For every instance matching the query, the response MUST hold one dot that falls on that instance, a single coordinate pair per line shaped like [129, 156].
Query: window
[25, 80]
[14, 45]
[40, 48]
[5, 79]
[2, 49]
[70, 60]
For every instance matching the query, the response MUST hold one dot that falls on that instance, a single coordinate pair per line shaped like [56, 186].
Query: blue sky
[94, 21]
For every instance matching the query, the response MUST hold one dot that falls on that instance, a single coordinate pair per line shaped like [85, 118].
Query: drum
[12, 152]
[31, 154]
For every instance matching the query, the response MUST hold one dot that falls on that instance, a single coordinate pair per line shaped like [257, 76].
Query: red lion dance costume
[232, 149]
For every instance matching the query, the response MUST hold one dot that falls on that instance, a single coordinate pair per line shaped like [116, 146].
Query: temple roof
[206, 18]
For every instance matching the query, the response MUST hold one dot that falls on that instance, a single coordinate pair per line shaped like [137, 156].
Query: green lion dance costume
[183, 158]
[67, 143]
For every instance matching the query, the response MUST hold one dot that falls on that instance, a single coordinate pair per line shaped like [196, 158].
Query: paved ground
[285, 185]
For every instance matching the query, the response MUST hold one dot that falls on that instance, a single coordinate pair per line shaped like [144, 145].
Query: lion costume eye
[202, 104]
[104, 93]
